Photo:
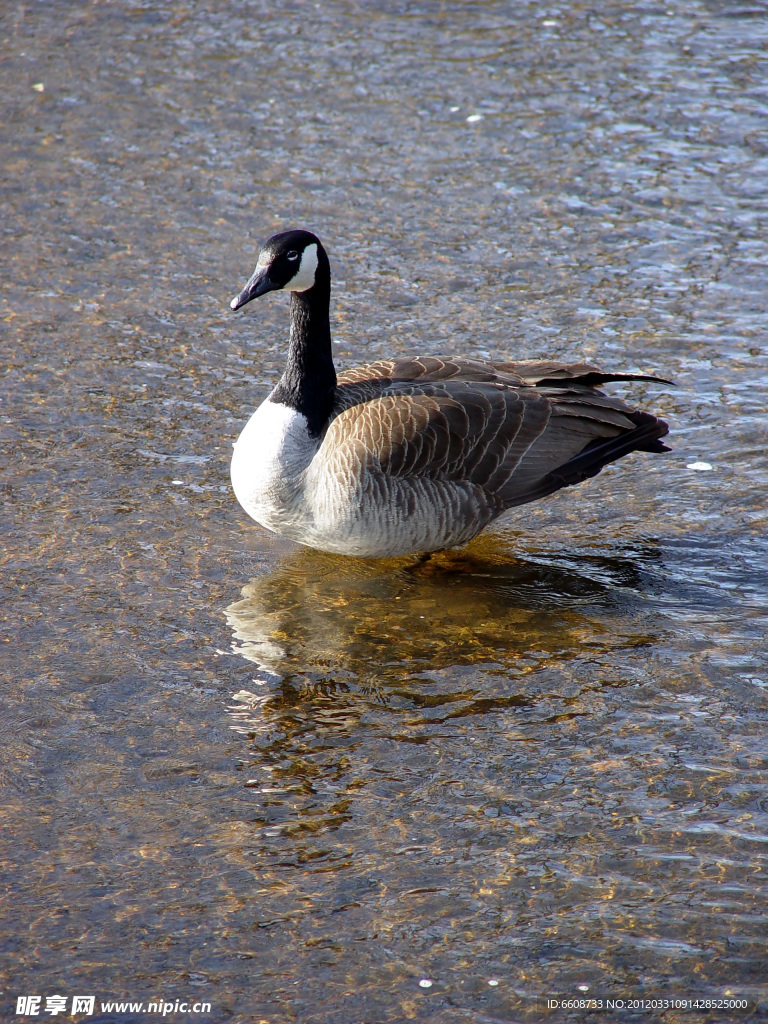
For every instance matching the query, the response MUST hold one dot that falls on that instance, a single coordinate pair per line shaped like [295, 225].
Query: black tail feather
[596, 378]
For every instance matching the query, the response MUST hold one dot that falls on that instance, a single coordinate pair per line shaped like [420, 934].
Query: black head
[290, 260]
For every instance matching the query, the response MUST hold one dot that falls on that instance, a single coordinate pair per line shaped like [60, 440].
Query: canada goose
[407, 456]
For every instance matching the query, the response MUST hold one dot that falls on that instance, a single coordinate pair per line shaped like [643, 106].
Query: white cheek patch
[304, 277]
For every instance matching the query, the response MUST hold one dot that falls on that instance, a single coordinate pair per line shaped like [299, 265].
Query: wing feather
[534, 372]
[514, 431]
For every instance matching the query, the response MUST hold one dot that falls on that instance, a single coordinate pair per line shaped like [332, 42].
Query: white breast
[294, 486]
[269, 466]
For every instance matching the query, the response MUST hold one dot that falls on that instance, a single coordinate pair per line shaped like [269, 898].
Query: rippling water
[298, 786]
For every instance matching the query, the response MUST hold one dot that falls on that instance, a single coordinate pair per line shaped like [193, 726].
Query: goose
[412, 455]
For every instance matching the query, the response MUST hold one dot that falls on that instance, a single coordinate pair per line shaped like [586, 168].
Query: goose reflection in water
[462, 634]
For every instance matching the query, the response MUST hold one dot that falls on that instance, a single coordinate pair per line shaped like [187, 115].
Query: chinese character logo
[28, 1006]
[82, 1004]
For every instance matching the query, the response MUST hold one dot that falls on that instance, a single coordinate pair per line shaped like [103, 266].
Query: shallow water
[295, 785]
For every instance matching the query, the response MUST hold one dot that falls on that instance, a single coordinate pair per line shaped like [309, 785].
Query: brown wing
[587, 430]
[451, 430]
[515, 443]
[429, 369]
[534, 372]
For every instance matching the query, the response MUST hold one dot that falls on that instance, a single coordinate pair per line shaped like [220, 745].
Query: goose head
[292, 261]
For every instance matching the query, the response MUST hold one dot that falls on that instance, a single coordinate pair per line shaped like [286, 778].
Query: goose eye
[292, 255]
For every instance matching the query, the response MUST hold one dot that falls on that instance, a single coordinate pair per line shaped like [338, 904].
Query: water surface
[296, 785]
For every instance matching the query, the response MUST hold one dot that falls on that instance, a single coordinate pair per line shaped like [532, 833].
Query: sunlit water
[302, 787]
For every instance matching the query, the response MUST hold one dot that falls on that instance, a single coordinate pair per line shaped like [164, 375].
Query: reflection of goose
[364, 624]
[412, 455]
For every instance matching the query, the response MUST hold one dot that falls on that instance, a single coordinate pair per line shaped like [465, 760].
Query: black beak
[259, 284]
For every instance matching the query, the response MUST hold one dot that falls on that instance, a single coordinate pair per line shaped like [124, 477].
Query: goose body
[414, 455]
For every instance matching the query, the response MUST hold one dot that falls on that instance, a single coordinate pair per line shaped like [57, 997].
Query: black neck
[309, 381]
